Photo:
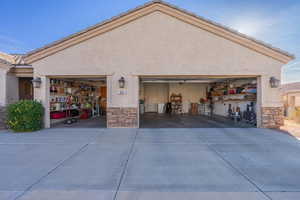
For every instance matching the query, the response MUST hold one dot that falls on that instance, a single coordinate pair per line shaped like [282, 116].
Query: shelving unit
[237, 101]
[73, 99]
[176, 103]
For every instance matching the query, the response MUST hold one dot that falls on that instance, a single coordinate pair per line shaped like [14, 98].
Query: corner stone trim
[272, 117]
[121, 117]
[2, 118]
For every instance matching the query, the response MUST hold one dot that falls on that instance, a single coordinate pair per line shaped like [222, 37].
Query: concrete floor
[154, 120]
[147, 164]
[95, 122]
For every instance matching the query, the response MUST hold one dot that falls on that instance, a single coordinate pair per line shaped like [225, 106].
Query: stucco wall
[2, 87]
[158, 44]
[12, 88]
[9, 87]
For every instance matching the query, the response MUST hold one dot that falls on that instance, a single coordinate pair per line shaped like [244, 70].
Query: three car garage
[164, 67]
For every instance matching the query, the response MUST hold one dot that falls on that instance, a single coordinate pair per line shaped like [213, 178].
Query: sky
[29, 24]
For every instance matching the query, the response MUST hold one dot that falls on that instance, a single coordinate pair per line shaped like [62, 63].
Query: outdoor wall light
[122, 82]
[37, 82]
[274, 82]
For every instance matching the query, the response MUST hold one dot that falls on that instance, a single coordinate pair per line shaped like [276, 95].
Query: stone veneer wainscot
[122, 117]
[272, 117]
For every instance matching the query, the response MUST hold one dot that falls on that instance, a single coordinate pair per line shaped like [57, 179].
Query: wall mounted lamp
[274, 82]
[122, 82]
[37, 82]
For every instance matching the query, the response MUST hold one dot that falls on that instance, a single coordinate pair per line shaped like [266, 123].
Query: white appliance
[151, 107]
[161, 108]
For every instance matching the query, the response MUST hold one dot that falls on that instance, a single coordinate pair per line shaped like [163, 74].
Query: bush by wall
[25, 116]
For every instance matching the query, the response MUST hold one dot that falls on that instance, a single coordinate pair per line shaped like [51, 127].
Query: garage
[198, 102]
[78, 102]
[163, 67]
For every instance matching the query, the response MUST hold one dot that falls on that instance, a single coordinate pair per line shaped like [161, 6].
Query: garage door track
[147, 164]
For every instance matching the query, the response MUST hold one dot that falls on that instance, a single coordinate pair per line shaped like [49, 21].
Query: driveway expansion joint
[81, 149]
[240, 172]
[125, 166]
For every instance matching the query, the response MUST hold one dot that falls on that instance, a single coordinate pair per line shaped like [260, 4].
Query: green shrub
[25, 116]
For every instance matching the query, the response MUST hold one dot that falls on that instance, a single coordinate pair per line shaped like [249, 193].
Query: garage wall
[156, 93]
[191, 92]
[160, 92]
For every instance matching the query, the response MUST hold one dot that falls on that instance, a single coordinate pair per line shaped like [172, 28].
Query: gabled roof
[290, 87]
[6, 60]
[19, 59]
[170, 10]
[12, 59]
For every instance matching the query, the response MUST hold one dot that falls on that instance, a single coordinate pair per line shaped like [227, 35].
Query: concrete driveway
[147, 164]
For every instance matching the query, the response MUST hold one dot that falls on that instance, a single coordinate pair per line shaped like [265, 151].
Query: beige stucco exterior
[157, 44]
[9, 86]
[3, 73]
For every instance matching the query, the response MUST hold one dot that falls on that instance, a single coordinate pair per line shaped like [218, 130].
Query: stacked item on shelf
[176, 103]
[229, 92]
[240, 97]
[70, 99]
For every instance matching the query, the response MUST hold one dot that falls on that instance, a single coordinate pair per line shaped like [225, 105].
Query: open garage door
[78, 102]
[198, 102]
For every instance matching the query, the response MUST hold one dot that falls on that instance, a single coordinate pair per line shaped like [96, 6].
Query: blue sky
[29, 24]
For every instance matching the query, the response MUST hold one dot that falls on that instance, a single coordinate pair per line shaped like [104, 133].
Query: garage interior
[78, 102]
[197, 102]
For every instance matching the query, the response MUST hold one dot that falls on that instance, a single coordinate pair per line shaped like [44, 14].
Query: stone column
[122, 103]
[270, 103]
[272, 117]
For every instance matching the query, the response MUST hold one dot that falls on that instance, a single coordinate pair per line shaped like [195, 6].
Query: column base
[120, 117]
[272, 117]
